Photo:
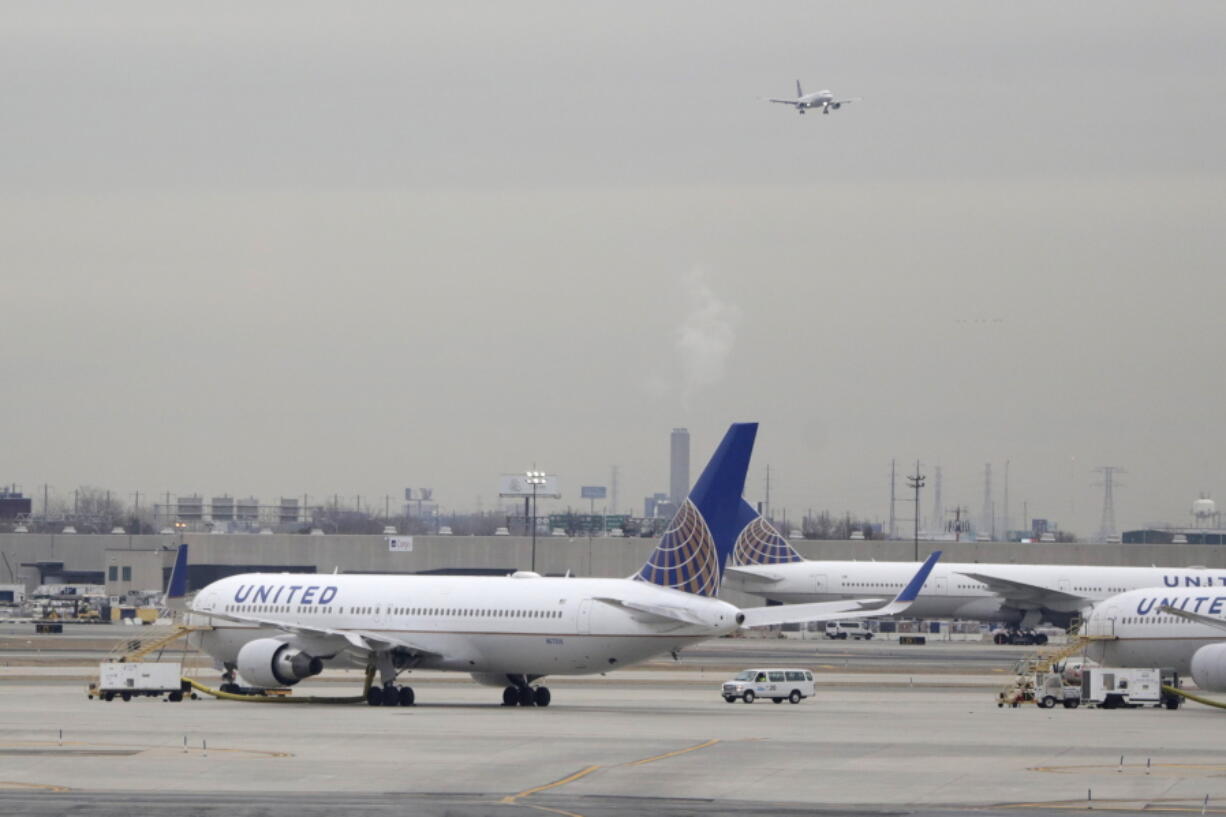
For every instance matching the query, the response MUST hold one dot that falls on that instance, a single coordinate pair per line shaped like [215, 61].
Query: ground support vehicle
[848, 629]
[792, 685]
[1051, 688]
[1128, 687]
[128, 680]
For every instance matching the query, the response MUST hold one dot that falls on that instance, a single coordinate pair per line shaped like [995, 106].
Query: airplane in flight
[1015, 595]
[1183, 629]
[821, 99]
[275, 629]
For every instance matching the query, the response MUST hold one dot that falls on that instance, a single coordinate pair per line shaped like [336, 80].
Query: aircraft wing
[785, 101]
[1197, 617]
[831, 610]
[364, 640]
[1024, 594]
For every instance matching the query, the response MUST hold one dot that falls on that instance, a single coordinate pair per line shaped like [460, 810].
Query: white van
[779, 685]
[848, 629]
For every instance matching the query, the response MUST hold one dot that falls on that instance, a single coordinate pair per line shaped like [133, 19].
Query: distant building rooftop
[1175, 536]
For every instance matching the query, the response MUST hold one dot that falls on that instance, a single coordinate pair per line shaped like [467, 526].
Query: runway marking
[13, 784]
[584, 772]
[1148, 805]
[654, 758]
[563, 812]
[1156, 770]
[13, 747]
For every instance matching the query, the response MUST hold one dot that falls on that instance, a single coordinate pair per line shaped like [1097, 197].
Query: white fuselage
[483, 625]
[950, 594]
[1129, 630]
[817, 100]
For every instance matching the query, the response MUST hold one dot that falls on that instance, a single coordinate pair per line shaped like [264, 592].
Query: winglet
[176, 588]
[914, 586]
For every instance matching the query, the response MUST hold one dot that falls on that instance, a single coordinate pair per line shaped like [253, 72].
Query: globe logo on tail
[686, 558]
[760, 544]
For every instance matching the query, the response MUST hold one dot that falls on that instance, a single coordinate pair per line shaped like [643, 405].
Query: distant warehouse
[1175, 536]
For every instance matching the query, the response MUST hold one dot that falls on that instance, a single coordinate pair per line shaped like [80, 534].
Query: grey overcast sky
[311, 247]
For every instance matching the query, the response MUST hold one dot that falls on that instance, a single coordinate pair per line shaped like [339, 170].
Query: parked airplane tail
[695, 548]
[760, 543]
[176, 588]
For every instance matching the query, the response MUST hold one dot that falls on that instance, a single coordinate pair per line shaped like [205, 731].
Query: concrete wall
[582, 557]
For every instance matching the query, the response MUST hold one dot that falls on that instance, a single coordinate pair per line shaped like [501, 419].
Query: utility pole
[938, 510]
[893, 522]
[915, 483]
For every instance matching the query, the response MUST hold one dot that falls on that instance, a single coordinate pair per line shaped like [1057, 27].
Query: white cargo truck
[129, 679]
[1114, 687]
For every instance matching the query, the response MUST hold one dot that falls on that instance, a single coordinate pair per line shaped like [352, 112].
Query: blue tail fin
[760, 543]
[693, 551]
[176, 588]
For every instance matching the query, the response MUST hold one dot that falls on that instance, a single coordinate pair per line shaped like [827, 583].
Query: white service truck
[1115, 687]
[130, 679]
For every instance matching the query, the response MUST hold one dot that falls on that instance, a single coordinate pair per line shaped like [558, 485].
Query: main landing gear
[390, 695]
[1019, 638]
[526, 696]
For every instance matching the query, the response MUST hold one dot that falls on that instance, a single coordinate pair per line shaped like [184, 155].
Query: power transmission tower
[1106, 528]
[1005, 520]
[989, 516]
[915, 483]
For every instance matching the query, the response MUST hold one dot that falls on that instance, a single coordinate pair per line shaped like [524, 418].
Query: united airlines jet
[1018, 596]
[274, 630]
[1182, 628]
[821, 99]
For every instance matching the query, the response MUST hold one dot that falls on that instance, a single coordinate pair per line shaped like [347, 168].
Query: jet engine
[268, 662]
[836, 105]
[1209, 667]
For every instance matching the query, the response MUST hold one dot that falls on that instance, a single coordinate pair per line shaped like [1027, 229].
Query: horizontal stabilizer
[660, 611]
[756, 575]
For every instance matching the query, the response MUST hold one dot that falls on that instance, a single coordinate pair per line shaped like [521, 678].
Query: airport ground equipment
[1200, 699]
[1043, 676]
[1051, 688]
[1117, 687]
[128, 680]
[231, 692]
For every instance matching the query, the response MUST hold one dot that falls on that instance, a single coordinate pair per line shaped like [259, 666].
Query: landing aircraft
[1018, 596]
[1183, 629]
[274, 629]
[822, 99]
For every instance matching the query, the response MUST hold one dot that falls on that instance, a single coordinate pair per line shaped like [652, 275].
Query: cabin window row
[396, 611]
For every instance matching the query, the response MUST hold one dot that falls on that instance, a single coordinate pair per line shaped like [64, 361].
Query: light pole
[535, 478]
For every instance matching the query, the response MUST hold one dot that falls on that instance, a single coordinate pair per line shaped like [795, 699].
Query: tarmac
[891, 730]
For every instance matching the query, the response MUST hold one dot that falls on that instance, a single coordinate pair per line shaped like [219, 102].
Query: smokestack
[679, 466]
